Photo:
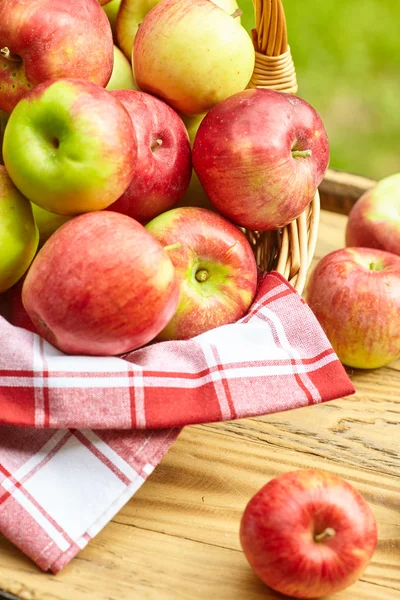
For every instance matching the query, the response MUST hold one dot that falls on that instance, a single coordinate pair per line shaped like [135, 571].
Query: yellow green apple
[19, 236]
[111, 9]
[122, 75]
[132, 13]
[355, 295]
[219, 64]
[47, 222]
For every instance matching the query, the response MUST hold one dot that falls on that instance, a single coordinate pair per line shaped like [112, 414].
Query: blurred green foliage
[347, 56]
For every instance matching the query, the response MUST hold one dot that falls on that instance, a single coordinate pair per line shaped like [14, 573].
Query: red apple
[308, 534]
[101, 285]
[215, 266]
[52, 39]
[17, 314]
[163, 162]
[355, 295]
[260, 156]
[374, 220]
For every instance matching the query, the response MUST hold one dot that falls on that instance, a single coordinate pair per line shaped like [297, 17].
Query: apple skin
[355, 295]
[162, 171]
[243, 156]
[69, 147]
[3, 122]
[374, 220]
[219, 64]
[101, 285]
[52, 39]
[47, 222]
[212, 246]
[19, 236]
[132, 12]
[17, 314]
[122, 75]
[279, 524]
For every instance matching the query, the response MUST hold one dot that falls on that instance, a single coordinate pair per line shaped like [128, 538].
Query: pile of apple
[105, 241]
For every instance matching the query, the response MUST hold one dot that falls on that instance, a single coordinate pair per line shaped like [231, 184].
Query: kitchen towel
[79, 435]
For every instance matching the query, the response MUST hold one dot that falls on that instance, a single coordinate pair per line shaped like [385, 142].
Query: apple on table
[374, 220]
[101, 285]
[260, 156]
[52, 39]
[215, 266]
[69, 146]
[308, 534]
[355, 295]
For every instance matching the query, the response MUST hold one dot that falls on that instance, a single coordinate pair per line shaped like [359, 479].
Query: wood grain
[340, 190]
[178, 537]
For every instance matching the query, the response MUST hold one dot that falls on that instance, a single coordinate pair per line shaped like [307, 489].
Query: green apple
[3, 122]
[195, 194]
[219, 64]
[122, 75]
[132, 13]
[192, 124]
[19, 236]
[47, 222]
[111, 9]
[70, 147]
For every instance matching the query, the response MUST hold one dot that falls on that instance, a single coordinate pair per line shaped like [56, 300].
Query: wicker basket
[289, 250]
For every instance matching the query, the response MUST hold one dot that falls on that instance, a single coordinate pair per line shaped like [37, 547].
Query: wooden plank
[178, 537]
[339, 191]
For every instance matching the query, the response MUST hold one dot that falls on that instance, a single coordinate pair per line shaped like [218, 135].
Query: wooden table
[178, 537]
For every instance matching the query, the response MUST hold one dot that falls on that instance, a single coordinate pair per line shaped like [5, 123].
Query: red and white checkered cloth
[79, 435]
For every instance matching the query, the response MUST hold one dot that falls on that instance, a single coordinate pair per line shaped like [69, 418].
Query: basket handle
[274, 67]
[290, 250]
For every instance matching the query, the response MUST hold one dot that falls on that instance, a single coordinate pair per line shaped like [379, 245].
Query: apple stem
[202, 275]
[6, 53]
[376, 266]
[155, 144]
[238, 13]
[176, 246]
[325, 535]
[301, 153]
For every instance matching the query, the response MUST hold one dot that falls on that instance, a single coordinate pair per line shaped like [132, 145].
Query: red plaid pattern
[61, 481]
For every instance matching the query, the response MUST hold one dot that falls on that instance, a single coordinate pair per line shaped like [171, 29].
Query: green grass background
[347, 57]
